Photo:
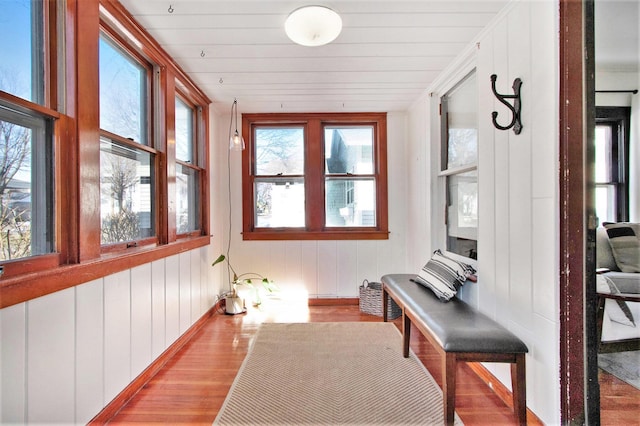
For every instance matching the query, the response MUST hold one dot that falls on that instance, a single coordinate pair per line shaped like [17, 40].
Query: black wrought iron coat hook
[516, 123]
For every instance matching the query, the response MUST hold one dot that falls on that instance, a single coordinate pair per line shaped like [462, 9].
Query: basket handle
[365, 283]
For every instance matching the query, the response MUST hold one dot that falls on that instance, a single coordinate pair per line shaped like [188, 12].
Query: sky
[15, 49]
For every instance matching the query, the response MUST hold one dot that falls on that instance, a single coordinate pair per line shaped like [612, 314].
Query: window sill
[286, 234]
[21, 288]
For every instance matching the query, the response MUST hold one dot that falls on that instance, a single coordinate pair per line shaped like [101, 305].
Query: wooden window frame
[198, 152]
[71, 100]
[314, 176]
[445, 171]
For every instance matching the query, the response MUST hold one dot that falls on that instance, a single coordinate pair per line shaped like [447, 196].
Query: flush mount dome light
[313, 25]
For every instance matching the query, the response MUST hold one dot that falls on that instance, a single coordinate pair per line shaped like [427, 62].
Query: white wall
[66, 355]
[319, 268]
[518, 198]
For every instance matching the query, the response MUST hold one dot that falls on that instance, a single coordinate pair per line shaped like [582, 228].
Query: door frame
[579, 390]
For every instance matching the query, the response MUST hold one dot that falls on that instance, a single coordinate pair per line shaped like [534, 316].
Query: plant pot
[234, 305]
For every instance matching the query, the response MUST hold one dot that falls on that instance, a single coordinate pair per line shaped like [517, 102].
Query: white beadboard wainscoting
[66, 355]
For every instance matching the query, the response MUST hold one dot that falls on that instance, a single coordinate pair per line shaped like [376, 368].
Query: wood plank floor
[191, 388]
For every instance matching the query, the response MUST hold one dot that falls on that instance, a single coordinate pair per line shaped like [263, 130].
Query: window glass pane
[606, 203]
[22, 67]
[126, 188]
[184, 132]
[350, 202]
[603, 154]
[279, 151]
[123, 108]
[26, 187]
[348, 150]
[280, 203]
[187, 199]
[462, 214]
[461, 121]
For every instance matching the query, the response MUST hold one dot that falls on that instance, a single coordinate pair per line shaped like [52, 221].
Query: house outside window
[315, 176]
[459, 164]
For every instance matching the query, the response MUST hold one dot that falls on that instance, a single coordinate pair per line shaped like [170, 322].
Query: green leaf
[220, 258]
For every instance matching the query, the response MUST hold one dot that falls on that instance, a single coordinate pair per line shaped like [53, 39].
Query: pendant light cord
[229, 267]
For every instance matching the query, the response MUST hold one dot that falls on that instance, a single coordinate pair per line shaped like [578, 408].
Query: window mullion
[167, 229]
[314, 172]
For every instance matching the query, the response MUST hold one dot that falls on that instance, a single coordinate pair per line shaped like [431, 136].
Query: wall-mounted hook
[170, 10]
[516, 123]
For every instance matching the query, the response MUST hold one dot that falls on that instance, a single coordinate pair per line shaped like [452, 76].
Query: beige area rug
[331, 374]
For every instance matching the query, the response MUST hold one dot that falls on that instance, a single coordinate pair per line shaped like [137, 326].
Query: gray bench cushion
[455, 325]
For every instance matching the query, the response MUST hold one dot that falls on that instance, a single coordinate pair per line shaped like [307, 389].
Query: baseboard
[111, 409]
[338, 301]
[501, 390]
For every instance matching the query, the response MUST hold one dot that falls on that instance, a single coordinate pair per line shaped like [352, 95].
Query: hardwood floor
[192, 386]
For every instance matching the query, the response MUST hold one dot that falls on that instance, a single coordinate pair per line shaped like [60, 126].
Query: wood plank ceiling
[386, 56]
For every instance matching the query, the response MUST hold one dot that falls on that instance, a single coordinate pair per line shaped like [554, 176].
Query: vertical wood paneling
[196, 291]
[51, 358]
[543, 108]
[89, 377]
[367, 257]
[117, 333]
[13, 368]
[327, 271]
[502, 183]
[347, 267]
[520, 174]
[64, 356]
[172, 300]
[293, 275]
[158, 328]
[140, 319]
[310, 266]
[487, 261]
[184, 274]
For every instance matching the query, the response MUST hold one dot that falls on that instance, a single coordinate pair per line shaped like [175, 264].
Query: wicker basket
[371, 301]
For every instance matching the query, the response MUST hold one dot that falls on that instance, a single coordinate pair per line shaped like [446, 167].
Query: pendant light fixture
[236, 141]
[313, 25]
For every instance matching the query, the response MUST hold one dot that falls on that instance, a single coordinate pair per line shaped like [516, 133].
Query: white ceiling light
[313, 25]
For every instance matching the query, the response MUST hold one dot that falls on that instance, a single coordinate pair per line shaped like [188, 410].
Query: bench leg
[519, 388]
[449, 387]
[385, 302]
[406, 334]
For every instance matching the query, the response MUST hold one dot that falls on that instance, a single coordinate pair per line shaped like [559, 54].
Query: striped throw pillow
[625, 245]
[444, 275]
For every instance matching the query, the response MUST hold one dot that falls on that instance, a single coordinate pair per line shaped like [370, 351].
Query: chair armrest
[626, 297]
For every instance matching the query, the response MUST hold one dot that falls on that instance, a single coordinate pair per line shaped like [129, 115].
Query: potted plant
[234, 304]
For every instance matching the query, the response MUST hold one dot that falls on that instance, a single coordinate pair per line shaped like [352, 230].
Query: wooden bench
[460, 334]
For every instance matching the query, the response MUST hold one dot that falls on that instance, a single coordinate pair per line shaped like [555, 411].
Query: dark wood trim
[111, 409]
[333, 301]
[87, 107]
[574, 198]
[314, 175]
[29, 286]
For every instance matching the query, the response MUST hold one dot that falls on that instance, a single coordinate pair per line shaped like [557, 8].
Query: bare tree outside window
[15, 194]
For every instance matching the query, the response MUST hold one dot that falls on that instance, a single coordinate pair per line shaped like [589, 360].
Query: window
[612, 163]
[26, 185]
[22, 29]
[315, 176]
[459, 156]
[188, 172]
[127, 171]
[90, 174]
